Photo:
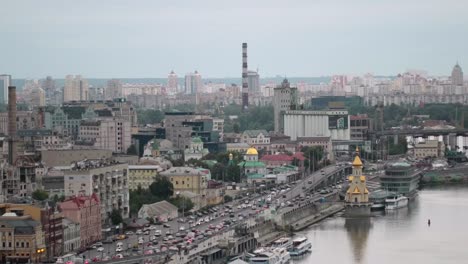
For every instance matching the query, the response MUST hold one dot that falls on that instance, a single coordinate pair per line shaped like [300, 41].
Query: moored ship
[300, 246]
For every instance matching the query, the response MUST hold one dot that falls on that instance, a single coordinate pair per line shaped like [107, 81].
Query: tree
[132, 150]
[149, 116]
[313, 156]
[40, 195]
[227, 198]
[116, 217]
[183, 203]
[162, 188]
[236, 128]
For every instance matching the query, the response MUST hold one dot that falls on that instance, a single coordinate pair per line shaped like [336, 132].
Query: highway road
[301, 187]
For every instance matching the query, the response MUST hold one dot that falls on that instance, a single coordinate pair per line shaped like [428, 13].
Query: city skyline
[301, 39]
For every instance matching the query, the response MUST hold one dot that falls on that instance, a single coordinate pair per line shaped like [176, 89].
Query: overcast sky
[103, 39]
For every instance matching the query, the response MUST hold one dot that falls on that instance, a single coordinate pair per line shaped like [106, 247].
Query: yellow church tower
[357, 196]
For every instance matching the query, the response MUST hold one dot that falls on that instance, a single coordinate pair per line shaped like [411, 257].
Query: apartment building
[111, 134]
[108, 180]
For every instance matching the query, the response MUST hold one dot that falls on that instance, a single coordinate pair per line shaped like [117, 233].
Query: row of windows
[18, 244]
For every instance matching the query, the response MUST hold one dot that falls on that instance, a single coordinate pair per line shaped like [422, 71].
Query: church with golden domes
[357, 197]
[253, 169]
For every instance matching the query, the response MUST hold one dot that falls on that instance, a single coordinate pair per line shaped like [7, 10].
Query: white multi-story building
[71, 236]
[193, 83]
[330, 123]
[253, 78]
[457, 75]
[218, 125]
[106, 179]
[111, 134]
[284, 98]
[76, 88]
[51, 142]
[257, 138]
[5, 81]
[172, 83]
[37, 97]
[114, 89]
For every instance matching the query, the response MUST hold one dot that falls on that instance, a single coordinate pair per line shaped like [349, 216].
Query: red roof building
[273, 161]
[85, 210]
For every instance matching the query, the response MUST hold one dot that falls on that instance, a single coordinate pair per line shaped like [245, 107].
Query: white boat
[300, 246]
[377, 207]
[284, 242]
[270, 256]
[396, 202]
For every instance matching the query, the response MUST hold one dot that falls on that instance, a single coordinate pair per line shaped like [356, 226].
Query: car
[177, 234]
[146, 232]
[118, 249]
[152, 238]
[157, 233]
[182, 228]
[139, 232]
[118, 256]
[129, 233]
[166, 226]
[119, 244]
[100, 249]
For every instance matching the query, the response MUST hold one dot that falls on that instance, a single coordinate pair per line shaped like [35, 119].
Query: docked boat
[395, 202]
[270, 256]
[284, 242]
[377, 207]
[300, 246]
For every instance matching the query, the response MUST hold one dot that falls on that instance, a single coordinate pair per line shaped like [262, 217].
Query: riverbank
[313, 219]
[442, 177]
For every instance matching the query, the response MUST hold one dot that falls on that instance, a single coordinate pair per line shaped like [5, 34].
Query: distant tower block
[12, 124]
[245, 82]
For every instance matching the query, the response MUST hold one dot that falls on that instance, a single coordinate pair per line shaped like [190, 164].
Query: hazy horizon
[148, 39]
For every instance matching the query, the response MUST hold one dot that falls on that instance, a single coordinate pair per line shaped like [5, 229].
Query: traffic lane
[109, 249]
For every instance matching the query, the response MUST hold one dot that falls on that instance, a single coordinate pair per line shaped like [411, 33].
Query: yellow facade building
[186, 179]
[142, 175]
[21, 239]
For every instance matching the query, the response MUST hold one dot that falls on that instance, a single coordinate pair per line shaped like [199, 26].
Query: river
[398, 237]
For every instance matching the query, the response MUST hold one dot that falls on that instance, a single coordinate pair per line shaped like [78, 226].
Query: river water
[398, 237]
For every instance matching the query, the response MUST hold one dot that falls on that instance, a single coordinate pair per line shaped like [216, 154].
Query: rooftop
[255, 133]
[159, 208]
[279, 157]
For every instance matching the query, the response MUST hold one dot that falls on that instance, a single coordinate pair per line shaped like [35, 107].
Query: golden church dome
[252, 151]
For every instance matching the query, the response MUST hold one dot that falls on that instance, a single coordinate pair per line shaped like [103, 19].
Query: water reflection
[357, 230]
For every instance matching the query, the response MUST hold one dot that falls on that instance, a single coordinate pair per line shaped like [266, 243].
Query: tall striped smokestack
[245, 83]
[12, 124]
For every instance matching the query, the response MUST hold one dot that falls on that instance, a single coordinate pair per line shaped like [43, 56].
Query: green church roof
[251, 164]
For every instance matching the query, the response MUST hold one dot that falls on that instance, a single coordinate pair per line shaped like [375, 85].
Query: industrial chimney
[11, 124]
[245, 83]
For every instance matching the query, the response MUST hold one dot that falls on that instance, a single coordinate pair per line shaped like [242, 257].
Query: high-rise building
[49, 86]
[37, 96]
[172, 83]
[114, 89]
[193, 83]
[245, 83]
[76, 88]
[253, 79]
[284, 98]
[5, 81]
[457, 75]
[106, 133]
